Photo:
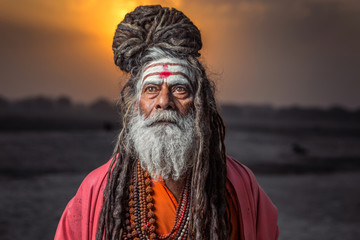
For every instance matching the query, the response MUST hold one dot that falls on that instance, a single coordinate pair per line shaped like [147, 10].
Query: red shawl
[258, 219]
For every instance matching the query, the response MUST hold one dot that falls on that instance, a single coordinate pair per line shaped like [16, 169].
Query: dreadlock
[143, 30]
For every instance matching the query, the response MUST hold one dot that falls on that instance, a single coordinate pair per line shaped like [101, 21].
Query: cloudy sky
[279, 52]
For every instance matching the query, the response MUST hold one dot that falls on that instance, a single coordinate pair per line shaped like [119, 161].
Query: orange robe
[165, 210]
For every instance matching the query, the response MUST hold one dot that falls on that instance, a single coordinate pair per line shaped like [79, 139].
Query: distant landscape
[306, 159]
[44, 113]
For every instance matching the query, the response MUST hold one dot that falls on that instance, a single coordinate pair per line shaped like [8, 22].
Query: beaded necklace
[140, 222]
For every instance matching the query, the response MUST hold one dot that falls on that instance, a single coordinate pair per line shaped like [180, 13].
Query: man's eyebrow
[171, 73]
[154, 82]
[179, 82]
[173, 82]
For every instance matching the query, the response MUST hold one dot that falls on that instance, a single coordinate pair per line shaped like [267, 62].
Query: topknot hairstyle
[153, 26]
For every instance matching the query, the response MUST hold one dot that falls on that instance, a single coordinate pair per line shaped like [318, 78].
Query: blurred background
[288, 81]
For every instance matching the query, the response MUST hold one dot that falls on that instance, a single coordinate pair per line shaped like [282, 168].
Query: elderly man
[169, 177]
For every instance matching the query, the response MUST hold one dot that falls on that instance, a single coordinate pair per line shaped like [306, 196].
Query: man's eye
[150, 89]
[179, 89]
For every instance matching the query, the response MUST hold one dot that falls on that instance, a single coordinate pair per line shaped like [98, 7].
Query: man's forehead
[170, 70]
[167, 61]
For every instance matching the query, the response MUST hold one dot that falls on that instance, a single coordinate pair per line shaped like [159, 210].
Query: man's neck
[176, 187]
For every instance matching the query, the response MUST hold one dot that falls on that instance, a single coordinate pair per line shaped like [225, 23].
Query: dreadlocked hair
[150, 33]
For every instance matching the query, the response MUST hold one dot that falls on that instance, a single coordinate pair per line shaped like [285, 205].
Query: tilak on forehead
[170, 70]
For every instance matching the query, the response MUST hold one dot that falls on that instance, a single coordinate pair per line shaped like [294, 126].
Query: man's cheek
[187, 106]
[145, 108]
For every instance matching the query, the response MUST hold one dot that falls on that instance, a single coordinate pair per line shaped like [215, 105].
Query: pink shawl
[258, 219]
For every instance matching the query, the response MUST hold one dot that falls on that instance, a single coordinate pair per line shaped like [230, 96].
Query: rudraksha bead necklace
[140, 222]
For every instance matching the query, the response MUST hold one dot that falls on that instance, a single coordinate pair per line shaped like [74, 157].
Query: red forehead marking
[165, 73]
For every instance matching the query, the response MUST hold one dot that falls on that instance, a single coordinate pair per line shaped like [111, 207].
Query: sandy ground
[316, 206]
[40, 172]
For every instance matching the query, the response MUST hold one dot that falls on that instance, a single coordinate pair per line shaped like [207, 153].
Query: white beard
[165, 150]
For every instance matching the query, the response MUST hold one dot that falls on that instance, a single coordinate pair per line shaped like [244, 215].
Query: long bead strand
[140, 217]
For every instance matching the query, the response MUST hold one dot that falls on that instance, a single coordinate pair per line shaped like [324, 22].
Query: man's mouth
[163, 122]
[166, 122]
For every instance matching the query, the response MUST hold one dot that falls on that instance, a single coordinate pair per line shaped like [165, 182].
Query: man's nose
[165, 100]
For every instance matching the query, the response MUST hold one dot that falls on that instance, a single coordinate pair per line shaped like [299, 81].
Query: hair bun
[154, 26]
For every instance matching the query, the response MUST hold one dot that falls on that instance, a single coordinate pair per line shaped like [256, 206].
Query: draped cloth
[253, 213]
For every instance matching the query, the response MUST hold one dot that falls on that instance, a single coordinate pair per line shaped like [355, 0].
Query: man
[169, 177]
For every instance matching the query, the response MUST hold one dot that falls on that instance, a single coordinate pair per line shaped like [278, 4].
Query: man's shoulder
[259, 214]
[241, 177]
[81, 215]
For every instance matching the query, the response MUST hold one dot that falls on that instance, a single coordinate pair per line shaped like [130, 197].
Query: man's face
[162, 128]
[165, 85]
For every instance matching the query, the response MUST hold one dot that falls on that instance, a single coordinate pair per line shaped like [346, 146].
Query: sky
[279, 52]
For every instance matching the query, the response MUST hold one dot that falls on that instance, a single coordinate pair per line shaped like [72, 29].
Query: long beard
[164, 143]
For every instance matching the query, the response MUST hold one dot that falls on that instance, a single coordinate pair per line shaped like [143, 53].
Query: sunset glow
[279, 52]
[89, 16]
